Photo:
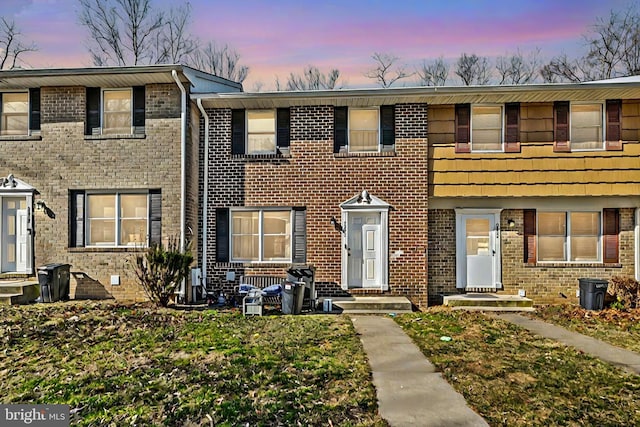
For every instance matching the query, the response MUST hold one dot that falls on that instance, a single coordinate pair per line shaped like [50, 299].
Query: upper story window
[587, 125]
[257, 132]
[115, 219]
[20, 112]
[115, 111]
[364, 130]
[486, 128]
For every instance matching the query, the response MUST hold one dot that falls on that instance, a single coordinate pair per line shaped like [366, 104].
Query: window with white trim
[261, 131]
[586, 126]
[261, 235]
[364, 128]
[120, 219]
[569, 236]
[116, 111]
[486, 127]
[15, 113]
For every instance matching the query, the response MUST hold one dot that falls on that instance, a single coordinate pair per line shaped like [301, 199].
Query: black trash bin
[292, 296]
[54, 282]
[592, 293]
[306, 274]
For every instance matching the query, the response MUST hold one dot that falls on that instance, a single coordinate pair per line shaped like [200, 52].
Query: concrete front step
[489, 302]
[19, 291]
[368, 304]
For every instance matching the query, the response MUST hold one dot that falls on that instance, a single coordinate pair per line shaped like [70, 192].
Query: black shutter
[222, 235]
[614, 125]
[339, 128]
[138, 106]
[512, 133]
[34, 109]
[76, 219]
[155, 217]
[463, 128]
[561, 126]
[610, 231]
[93, 110]
[299, 235]
[530, 252]
[237, 131]
[388, 125]
[283, 124]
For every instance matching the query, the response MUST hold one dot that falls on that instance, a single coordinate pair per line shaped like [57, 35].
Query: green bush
[160, 270]
[626, 291]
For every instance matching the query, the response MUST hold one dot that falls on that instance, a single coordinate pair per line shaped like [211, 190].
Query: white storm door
[479, 250]
[371, 256]
[354, 251]
[22, 239]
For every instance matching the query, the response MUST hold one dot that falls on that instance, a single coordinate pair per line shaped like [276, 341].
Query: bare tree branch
[434, 73]
[516, 69]
[313, 79]
[175, 43]
[221, 60]
[386, 72]
[11, 46]
[473, 69]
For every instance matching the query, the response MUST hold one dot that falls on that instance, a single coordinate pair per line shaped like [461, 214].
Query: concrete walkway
[410, 391]
[626, 359]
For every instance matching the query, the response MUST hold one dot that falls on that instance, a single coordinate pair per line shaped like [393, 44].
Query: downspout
[205, 197]
[183, 152]
[183, 173]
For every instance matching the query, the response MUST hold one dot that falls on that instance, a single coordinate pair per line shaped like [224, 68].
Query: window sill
[370, 154]
[114, 136]
[262, 156]
[270, 264]
[572, 265]
[107, 249]
[20, 137]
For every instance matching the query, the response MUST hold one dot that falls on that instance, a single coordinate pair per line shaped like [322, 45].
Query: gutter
[205, 195]
[183, 152]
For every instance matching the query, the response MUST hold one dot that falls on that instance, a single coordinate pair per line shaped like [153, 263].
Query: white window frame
[379, 130]
[502, 128]
[567, 241]
[603, 124]
[102, 108]
[275, 131]
[117, 219]
[261, 212]
[2, 128]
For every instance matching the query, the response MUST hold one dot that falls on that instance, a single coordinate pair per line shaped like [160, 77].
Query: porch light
[511, 223]
[336, 225]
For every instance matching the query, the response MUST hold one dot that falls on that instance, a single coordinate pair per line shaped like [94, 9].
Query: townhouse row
[419, 192]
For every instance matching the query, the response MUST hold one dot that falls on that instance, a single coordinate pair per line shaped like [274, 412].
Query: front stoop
[19, 291]
[368, 304]
[488, 302]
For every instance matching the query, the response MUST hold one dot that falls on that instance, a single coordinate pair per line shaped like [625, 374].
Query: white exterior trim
[637, 245]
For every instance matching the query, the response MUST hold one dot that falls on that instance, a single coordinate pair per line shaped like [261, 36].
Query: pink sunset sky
[277, 37]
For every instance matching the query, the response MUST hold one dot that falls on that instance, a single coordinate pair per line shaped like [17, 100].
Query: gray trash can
[306, 274]
[292, 296]
[592, 293]
[54, 282]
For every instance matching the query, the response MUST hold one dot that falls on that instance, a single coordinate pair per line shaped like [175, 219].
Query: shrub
[626, 290]
[160, 270]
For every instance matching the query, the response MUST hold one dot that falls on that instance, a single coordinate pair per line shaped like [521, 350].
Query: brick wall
[63, 159]
[313, 176]
[442, 254]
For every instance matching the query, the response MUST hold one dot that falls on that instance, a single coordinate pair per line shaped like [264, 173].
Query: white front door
[363, 250]
[14, 237]
[478, 250]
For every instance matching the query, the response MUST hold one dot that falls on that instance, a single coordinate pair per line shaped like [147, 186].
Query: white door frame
[461, 248]
[363, 204]
[27, 266]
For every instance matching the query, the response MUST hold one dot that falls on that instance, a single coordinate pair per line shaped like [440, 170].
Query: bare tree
[175, 43]
[122, 32]
[434, 73]
[386, 72]
[473, 69]
[313, 79]
[613, 50]
[221, 60]
[518, 69]
[11, 46]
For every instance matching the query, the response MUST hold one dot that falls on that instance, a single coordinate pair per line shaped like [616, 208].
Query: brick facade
[64, 159]
[314, 177]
